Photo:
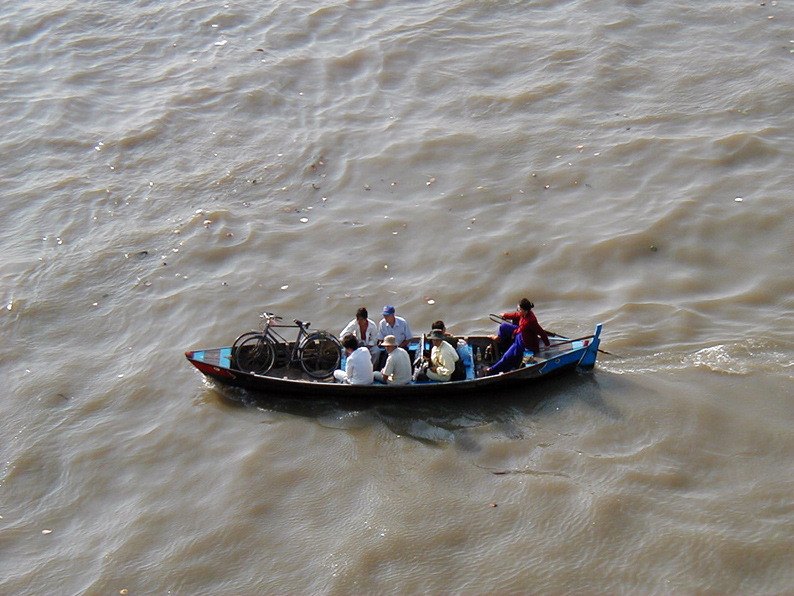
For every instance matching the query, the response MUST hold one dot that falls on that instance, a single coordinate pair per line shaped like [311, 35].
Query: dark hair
[362, 313]
[350, 342]
[526, 304]
[438, 325]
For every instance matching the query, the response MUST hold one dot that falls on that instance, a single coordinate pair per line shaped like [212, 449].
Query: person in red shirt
[526, 334]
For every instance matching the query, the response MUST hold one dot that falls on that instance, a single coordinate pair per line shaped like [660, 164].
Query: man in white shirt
[398, 365]
[391, 324]
[358, 368]
[366, 332]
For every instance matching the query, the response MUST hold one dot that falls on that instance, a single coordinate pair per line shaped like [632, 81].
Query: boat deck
[482, 352]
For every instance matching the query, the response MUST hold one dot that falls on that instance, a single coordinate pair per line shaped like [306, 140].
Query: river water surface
[170, 170]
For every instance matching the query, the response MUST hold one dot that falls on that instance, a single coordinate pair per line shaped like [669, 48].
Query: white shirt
[371, 335]
[398, 364]
[400, 331]
[358, 367]
[370, 338]
[443, 357]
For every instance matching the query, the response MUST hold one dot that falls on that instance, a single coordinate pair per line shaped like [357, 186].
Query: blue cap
[388, 310]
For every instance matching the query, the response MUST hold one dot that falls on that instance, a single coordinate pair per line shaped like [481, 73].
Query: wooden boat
[564, 355]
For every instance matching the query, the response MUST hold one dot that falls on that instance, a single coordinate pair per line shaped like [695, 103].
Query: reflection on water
[441, 421]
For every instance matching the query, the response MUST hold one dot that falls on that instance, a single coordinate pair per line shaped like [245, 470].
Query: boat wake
[738, 358]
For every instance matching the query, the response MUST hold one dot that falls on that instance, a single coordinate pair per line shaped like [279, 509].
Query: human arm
[443, 360]
[513, 317]
[388, 369]
[371, 338]
[350, 329]
[407, 332]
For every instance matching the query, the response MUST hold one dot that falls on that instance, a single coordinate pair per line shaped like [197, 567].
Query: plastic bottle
[527, 359]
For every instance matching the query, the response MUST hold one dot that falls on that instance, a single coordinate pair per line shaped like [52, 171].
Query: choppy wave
[170, 171]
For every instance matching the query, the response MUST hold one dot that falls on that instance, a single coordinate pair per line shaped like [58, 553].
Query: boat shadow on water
[438, 421]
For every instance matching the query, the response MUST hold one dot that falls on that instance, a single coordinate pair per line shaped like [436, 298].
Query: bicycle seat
[301, 323]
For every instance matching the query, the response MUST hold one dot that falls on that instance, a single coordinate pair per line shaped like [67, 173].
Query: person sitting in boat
[366, 331]
[460, 344]
[397, 370]
[441, 364]
[358, 367]
[525, 333]
[391, 324]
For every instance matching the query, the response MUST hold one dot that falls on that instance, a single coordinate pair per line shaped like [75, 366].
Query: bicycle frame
[318, 352]
[269, 330]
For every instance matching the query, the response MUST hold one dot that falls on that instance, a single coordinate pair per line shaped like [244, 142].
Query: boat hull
[215, 364]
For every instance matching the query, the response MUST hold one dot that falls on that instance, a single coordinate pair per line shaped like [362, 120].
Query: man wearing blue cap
[391, 324]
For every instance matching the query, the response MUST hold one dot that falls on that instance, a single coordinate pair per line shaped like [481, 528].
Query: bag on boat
[459, 374]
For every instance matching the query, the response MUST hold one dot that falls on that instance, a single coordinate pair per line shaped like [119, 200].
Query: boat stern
[589, 357]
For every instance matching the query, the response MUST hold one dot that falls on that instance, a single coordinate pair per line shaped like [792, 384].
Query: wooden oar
[501, 319]
[568, 341]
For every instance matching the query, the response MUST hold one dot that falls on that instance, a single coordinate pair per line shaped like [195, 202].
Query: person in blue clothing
[391, 324]
[525, 333]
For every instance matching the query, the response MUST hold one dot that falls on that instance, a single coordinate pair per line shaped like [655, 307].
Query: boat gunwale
[229, 376]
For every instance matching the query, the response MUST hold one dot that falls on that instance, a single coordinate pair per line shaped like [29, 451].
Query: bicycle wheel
[254, 353]
[241, 338]
[320, 355]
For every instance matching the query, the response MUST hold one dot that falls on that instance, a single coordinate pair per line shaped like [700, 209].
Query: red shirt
[529, 328]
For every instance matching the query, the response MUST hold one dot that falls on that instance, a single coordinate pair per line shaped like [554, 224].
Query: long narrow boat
[564, 355]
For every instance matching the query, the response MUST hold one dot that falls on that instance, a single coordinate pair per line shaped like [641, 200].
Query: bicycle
[319, 353]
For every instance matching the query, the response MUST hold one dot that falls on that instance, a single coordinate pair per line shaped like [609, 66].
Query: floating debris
[429, 300]
[304, 220]
[285, 287]
[738, 199]
[46, 532]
